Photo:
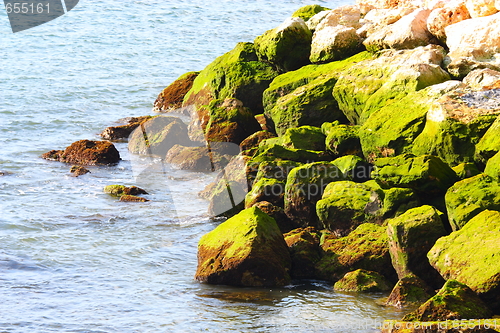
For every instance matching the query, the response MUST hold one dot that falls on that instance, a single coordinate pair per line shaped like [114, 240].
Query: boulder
[489, 144]
[199, 159]
[362, 281]
[303, 244]
[482, 79]
[115, 133]
[411, 236]
[314, 21]
[473, 44]
[271, 152]
[277, 213]
[469, 197]
[378, 18]
[454, 301]
[466, 170]
[303, 137]
[334, 43]
[251, 143]
[158, 135]
[76, 170]
[373, 84]
[451, 13]
[304, 187]
[365, 248]
[286, 47]
[348, 16]
[408, 32]
[266, 189]
[425, 174]
[309, 11]
[171, 97]
[342, 139]
[278, 170]
[246, 250]
[480, 8]
[86, 152]
[387, 4]
[409, 290]
[354, 168]
[493, 167]
[470, 255]
[132, 198]
[120, 190]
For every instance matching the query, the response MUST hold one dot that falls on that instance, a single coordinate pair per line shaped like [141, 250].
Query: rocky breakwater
[367, 150]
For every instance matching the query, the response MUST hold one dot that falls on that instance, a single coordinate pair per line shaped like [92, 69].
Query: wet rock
[86, 152]
[469, 197]
[132, 198]
[115, 133]
[246, 250]
[308, 11]
[409, 290]
[454, 301]
[286, 47]
[342, 139]
[362, 281]
[171, 97]
[77, 170]
[303, 244]
[451, 13]
[470, 256]
[121, 190]
[199, 159]
[493, 167]
[251, 143]
[277, 213]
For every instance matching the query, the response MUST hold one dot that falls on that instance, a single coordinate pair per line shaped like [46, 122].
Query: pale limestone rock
[313, 22]
[407, 33]
[376, 19]
[473, 44]
[348, 16]
[480, 8]
[480, 79]
[386, 4]
[453, 12]
[334, 43]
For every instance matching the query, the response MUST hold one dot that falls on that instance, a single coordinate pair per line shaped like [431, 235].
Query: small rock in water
[77, 170]
[132, 198]
[121, 190]
[5, 173]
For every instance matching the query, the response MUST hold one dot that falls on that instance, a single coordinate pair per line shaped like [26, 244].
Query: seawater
[73, 259]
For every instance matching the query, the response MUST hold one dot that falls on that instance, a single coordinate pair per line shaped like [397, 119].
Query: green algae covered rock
[342, 139]
[286, 47]
[120, 190]
[304, 137]
[303, 244]
[466, 170]
[277, 169]
[246, 250]
[469, 197]
[454, 301]
[251, 143]
[489, 144]
[362, 281]
[236, 74]
[171, 97]
[277, 213]
[409, 290]
[493, 167]
[425, 174]
[470, 255]
[354, 168]
[304, 187]
[308, 11]
[272, 152]
[364, 248]
[266, 189]
[411, 236]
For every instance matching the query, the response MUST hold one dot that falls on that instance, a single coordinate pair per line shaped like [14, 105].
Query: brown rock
[86, 152]
[77, 170]
[132, 198]
[409, 290]
[480, 8]
[442, 17]
[172, 96]
[303, 244]
[114, 133]
[199, 159]
[252, 142]
[277, 213]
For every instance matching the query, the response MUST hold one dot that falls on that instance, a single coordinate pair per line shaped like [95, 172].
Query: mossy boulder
[374, 83]
[120, 190]
[273, 152]
[304, 187]
[425, 174]
[454, 301]
[466, 170]
[308, 11]
[342, 139]
[489, 144]
[76, 171]
[365, 248]
[199, 159]
[236, 74]
[246, 250]
[286, 47]
[86, 152]
[251, 143]
[470, 255]
[278, 170]
[115, 133]
[303, 244]
[362, 281]
[304, 137]
[266, 189]
[493, 167]
[411, 236]
[409, 290]
[354, 168]
[171, 97]
[157, 135]
[277, 213]
[469, 197]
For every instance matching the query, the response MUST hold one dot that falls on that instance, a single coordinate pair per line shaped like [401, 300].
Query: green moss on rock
[171, 97]
[304, 137]
[342, 139]
[354, 168]
[466, 170]
[489, 144]
[303, 244]
[266, 189]
[308, 11]
[362, 281]
[493, 167]
[409, 290]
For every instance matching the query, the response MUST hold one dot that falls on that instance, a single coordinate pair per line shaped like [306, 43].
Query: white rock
[480, 79]
[376, 19]
[473, 44]
[407, 33]
[313, 22]
[386, 4]
[480, 8]
[334, 43]
[453, 12]
[348, 16]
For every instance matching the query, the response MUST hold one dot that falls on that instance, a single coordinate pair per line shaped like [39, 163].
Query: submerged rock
[132, 198]
[86, 152]
[120, 190]
[362, 281]
[246, 250]
[171, 97]
[77, 170]
[115, 133]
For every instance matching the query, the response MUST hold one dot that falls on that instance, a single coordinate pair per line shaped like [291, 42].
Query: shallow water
[73, 259]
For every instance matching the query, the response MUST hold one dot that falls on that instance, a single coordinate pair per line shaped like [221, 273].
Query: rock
[362, 281]
[480, 8]
[411, 236]
[473, 44]
[377, 19]
[466, 170]
[266, 189]
[199, 159]
[171, 97]
[342, 139]
[236, 74]
[271, 152]
[482, 79]
[454, 301]
[348, 16]
[303, 244]
[334, 43]
[251, 143]
[132, 198]
[469, 197]
[313, 22]
[489, 144]
[470, 256]
[387, 4]
[354, 168]
[77, 170]
[158, 135]
[365, 248]
[246, 250]
[451, 13]
[86, 152]
[308, 11]
[493, 167]
[408, 32]
[410, 290]
[372, 84]
[304, 137]
[286, 47]
[278, 170]
[304, 187]
[278, 214]
[121, 190]
[115, 133]
[303, 97]
[425, 174]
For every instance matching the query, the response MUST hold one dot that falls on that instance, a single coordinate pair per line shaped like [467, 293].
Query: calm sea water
[73, 259]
